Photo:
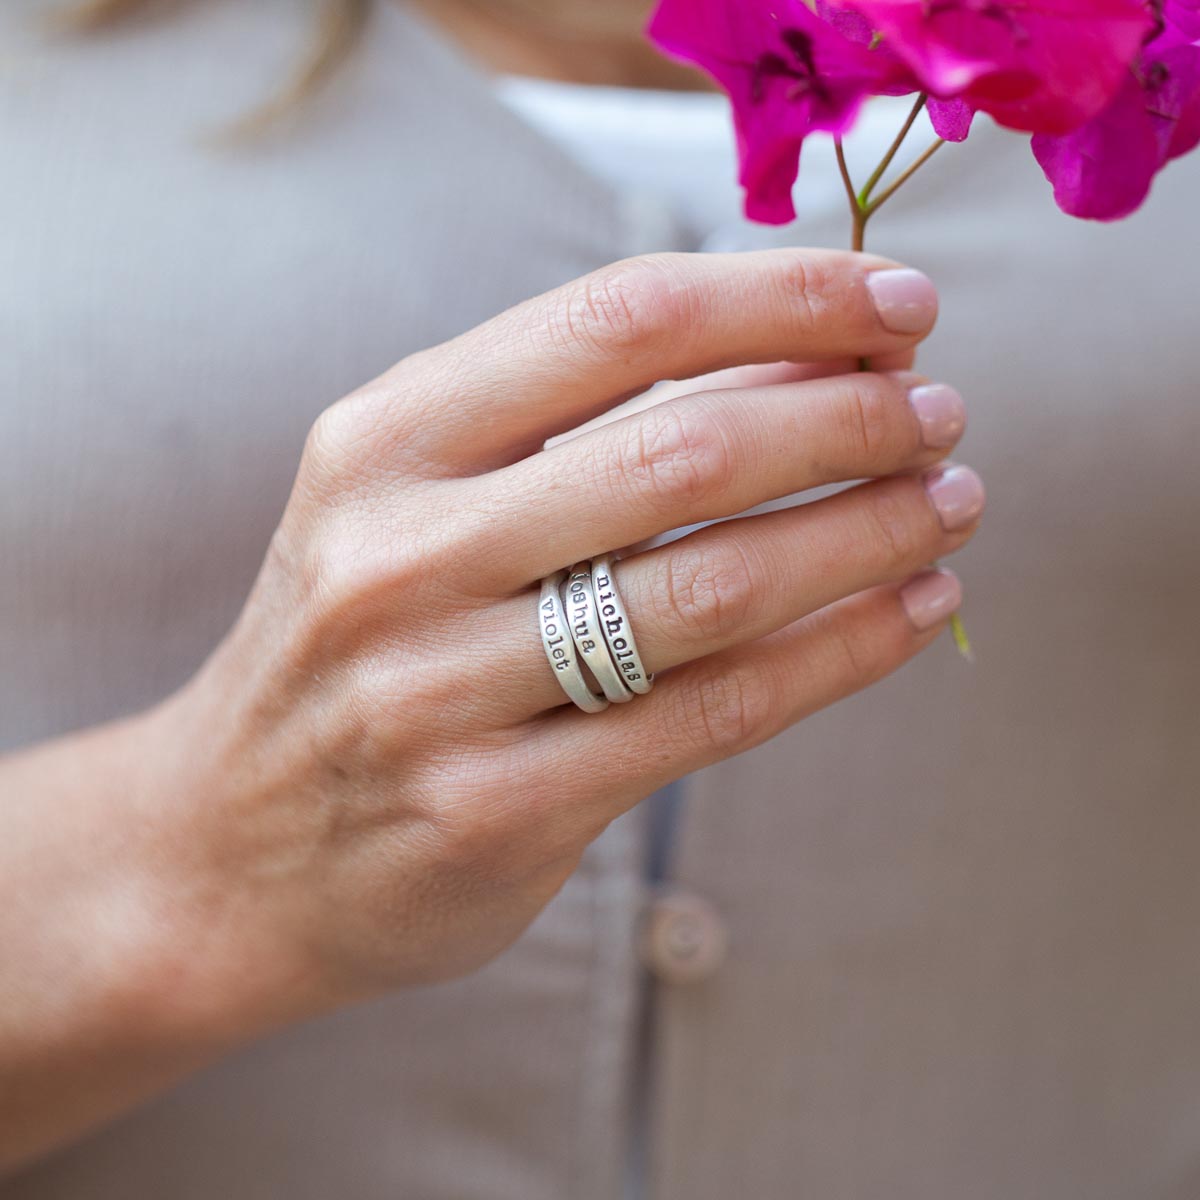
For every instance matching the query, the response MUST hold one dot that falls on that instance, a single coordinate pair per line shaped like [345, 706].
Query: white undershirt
[677, 149]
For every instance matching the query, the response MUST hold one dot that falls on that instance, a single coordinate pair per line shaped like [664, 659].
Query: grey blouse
[961, 909]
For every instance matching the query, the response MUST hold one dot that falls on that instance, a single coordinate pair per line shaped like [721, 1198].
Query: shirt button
[684, 939]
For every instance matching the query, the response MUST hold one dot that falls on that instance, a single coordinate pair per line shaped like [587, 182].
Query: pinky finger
[722, 705]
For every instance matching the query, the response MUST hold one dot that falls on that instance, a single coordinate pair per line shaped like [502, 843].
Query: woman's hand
[377, 780]
[386, 782]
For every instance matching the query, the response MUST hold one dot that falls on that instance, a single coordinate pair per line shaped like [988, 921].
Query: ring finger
[738, 580]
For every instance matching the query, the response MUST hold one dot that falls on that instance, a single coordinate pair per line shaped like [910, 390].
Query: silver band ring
[560, 647]
[618, 632]
[583, 616]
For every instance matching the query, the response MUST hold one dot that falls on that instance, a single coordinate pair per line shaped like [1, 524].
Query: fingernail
[905, 300]
[957, 494]
[931, 597]
[942, 414]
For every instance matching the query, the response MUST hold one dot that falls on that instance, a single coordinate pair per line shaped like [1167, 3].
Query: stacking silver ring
[618, 633]
[583, 615]
[560, 647]
[586, 622]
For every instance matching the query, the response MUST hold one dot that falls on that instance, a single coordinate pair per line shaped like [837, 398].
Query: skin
[582, 41]
[362, 788]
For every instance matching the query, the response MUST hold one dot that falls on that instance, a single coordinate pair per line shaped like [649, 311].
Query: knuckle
[467, 835]
[371, 433]
[730, 710]
[488, 830]
[679, 455]
[710, 595]
[369, 554]
[408, 709]
[352, 569]
[855, 653]
[620, 310]
[866, 651]
[341, 575]
[327, 565]
[339, 434]
[807, 284]
[867, 420]
[898, 527]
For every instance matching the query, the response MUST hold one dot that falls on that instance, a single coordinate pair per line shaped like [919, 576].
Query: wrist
[121, 972]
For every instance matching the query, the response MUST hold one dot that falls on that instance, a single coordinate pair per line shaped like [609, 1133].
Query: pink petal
[1184, 15]
[951, 119]
[788, 74]
[1037, 65]
[1103, 171]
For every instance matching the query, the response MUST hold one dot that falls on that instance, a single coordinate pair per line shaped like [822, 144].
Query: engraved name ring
[618, 633]
[560, 646]
[583, 617]
[582, 620]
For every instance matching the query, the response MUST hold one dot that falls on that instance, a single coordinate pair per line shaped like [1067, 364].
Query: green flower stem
[864, 197]
[875, 205]
[959, 632]
[858, 212]
[862, 209]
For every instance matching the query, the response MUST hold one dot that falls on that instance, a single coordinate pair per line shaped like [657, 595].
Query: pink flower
[1104, 169]
[788, 74]
[1183, 16]
[1109, 88]
[1038, 65]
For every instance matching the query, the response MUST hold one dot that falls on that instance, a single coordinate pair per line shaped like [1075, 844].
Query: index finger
[497, 393]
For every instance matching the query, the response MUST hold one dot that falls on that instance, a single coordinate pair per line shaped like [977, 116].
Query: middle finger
[700, 458]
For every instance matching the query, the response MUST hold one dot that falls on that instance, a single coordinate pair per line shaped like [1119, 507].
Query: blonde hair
[339, 24]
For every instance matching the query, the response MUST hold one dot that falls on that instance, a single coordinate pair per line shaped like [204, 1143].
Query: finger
[723, 705]
[739, 580]
[703, 457]
[756, 375]
[902, 360]
[736, 581]
[498, 392]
